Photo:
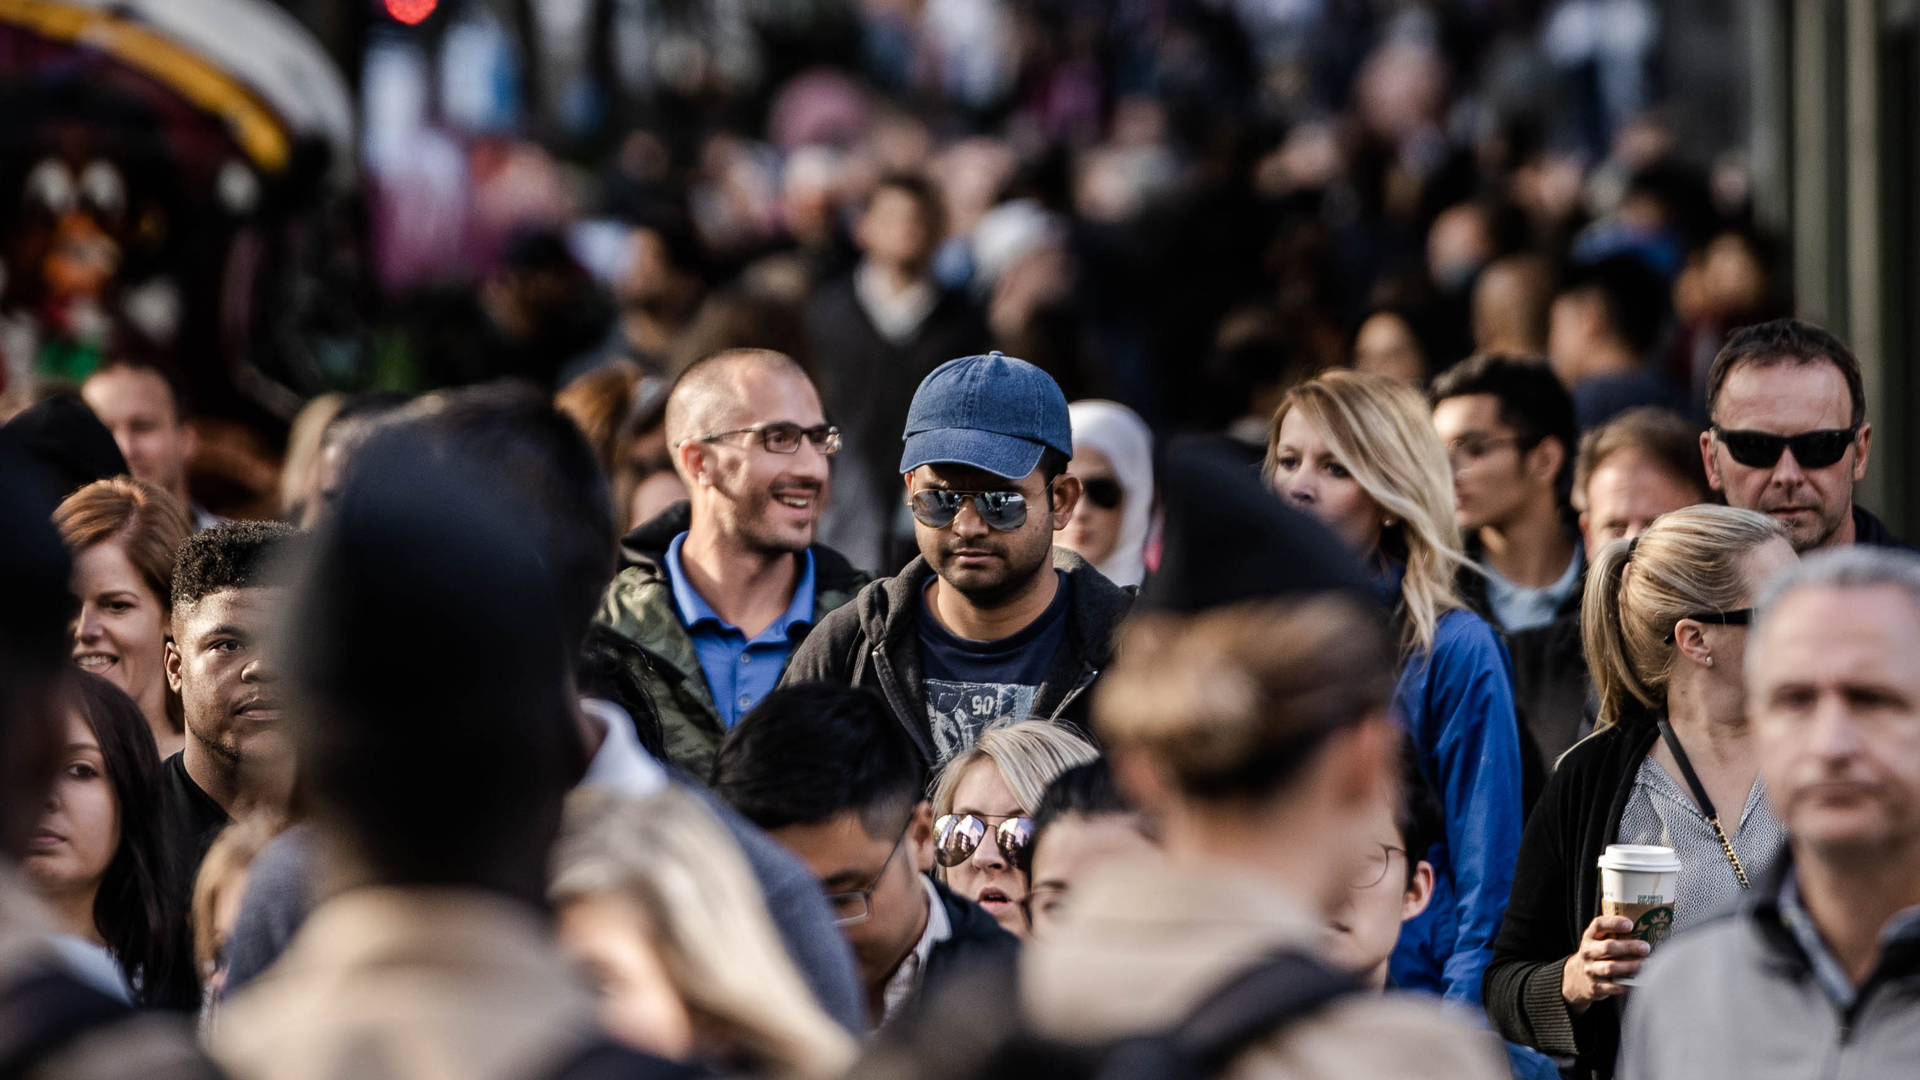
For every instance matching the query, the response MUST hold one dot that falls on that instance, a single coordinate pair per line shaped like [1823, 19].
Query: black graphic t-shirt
[971, 684]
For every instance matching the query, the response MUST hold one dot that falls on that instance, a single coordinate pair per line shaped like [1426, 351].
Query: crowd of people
[455, 779]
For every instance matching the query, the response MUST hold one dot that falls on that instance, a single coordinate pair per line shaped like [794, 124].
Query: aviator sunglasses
[1102, 491]
[1812, 449]
[957, 836]
[937, 507]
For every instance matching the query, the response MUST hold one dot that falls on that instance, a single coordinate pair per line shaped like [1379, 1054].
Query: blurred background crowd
[1181, 205]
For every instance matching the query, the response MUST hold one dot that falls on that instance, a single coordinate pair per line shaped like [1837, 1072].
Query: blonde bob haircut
[1029, 755]
[1232, 703]
[697, 901]
[1688, 562]
[1381, 431]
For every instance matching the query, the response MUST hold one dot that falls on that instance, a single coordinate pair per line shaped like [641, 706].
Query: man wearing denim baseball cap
[992, 621]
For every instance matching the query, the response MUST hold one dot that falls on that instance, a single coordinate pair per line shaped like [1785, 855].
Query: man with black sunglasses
[716, 592]
[992, 620]
[1790, 435]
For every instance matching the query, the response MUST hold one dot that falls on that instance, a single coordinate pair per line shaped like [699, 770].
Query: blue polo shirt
[739, 672]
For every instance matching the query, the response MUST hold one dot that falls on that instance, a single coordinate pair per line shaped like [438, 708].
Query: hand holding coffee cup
[1606, 955]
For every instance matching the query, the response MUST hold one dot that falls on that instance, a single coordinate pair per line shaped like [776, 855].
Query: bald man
[717, 592]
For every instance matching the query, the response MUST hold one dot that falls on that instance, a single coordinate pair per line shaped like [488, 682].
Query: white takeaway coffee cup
[1640, 882]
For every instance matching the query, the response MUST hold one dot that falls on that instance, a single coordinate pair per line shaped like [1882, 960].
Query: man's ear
[1420, 893]
[691, 461]
[920, 837]
[1586, 528]
[1543, 462]
[1064, 495]
[1862, 447]
[171, 660]
[1712, 465]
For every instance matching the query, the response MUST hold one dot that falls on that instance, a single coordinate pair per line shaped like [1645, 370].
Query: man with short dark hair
[145, 407]
[1508, 427]
[991, 621]
[433, 801]
[1816, 972]
[718, 591]
[229, 591]
[1603, 326]
[1790, 435]
[876, 333]
[1630, 470]
[828, 773]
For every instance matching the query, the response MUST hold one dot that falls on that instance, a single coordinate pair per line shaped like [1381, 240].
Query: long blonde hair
[670, 854]
[1030, 754]
[1382, 432]
[1689, 561]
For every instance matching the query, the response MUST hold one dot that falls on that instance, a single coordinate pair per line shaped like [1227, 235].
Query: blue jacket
[1457, 705]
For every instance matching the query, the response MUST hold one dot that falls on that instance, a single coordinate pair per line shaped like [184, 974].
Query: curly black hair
[231, 555]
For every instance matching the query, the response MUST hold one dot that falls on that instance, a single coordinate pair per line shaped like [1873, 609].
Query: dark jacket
[1549, 682]
[867, 383]
[1556, 890]
[652, 643]
[977, 938]
[1737, 997]
[1873, 532]
[875, 642]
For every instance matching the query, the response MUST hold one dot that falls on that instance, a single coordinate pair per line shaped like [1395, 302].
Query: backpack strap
[1254, 1004]
[40, 1015]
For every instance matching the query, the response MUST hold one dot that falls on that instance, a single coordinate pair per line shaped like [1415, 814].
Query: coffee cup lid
[1650, 857]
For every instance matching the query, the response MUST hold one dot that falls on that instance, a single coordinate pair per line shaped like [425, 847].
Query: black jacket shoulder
[977, 938]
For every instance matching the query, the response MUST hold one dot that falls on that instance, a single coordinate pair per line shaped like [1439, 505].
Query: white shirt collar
[621, 765]
[907, 978]
[897, 315]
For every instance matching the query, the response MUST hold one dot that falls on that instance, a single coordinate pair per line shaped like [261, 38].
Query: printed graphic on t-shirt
[959, 711]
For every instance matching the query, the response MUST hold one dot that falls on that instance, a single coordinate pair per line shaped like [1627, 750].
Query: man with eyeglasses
[827, 772]
[1790, 435]
[1509, 430]
[992, 621]
[717, 592]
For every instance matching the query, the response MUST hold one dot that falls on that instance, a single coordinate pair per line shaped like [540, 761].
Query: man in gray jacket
[1818, 974]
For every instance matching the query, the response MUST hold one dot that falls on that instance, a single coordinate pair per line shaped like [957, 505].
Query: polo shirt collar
[694, 609]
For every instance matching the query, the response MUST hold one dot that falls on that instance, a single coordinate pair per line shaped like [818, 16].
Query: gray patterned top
[1661, 811]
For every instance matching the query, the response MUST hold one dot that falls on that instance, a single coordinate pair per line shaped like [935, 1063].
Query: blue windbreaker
[1457, 705]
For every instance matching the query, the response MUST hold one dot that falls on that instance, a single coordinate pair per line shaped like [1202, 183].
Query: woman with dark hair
[97, 855]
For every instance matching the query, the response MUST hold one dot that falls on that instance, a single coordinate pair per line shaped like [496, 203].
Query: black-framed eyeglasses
[1812, 449]
[1736, 617]
[1103, 491]
[957, 836]
[936, 508]
[784, 438]
[1374, 870]
[856, 906]
[1470, 448]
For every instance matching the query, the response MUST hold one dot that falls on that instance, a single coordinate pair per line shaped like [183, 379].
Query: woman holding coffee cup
[1659, 817]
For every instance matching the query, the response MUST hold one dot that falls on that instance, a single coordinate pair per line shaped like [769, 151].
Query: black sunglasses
[957, 836]
[1103, 491]
[937, 507]
[1736, 617]
[785, 438]
[1812, 449]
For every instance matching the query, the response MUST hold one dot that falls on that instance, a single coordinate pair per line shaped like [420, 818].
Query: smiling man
[717, 591]
[991, 621]
[1790, 435]
[227, 599]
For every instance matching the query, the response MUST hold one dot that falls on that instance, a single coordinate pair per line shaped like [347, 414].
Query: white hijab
[1120, 434]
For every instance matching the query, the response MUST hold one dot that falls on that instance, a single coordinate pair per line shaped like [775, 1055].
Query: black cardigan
[1556, 893]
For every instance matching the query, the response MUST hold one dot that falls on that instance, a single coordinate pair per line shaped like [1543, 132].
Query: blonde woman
[1664, 622]
[661, 909]
[983, 805]
[1359, 453]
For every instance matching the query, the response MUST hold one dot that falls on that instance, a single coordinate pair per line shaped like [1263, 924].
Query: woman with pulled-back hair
[1664, 624]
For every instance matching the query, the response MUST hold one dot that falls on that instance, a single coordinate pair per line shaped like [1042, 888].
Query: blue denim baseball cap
[991, 412]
